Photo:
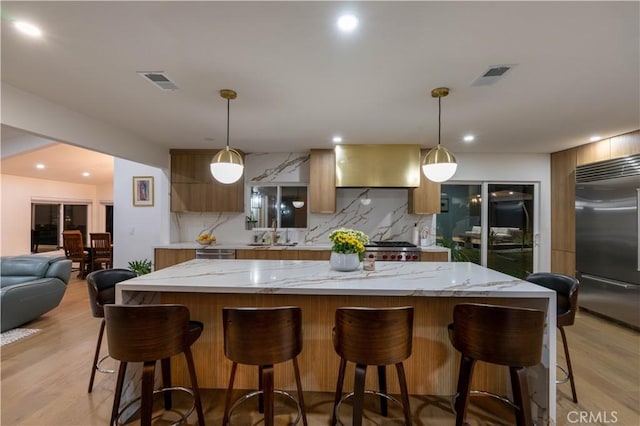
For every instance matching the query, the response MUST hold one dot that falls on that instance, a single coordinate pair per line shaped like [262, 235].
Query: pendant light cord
[439, 115]
[228, 102]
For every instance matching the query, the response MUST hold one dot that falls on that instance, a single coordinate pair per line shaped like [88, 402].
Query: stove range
[392, 251]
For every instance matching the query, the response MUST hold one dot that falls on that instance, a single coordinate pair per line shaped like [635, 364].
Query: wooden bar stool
[263, 337]
[372, 336]
[101, 285]
[498, 335]
[147, 333]
[566, 289]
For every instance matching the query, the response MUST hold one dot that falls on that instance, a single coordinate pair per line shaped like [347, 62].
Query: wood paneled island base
[432, 288]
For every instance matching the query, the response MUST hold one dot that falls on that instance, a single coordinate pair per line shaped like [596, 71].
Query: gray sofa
[30, 286]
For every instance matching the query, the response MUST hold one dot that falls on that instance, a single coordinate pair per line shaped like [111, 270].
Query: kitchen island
[433, 288]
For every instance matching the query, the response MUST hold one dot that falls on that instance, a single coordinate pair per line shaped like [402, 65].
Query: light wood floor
[44, 379]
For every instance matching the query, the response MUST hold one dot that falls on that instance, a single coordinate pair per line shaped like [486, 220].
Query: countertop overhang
[428, 279]
[245, 246]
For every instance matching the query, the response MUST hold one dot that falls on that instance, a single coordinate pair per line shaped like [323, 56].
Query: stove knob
[415, 257]
[371, 256]
[393, 256]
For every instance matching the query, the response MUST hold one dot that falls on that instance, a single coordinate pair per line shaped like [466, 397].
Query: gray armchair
[30, 286]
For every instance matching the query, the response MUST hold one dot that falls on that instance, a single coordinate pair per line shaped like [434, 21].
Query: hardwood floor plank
[44, 378]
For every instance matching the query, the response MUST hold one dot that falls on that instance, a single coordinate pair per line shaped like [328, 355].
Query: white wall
[138, 229]
[15, 211]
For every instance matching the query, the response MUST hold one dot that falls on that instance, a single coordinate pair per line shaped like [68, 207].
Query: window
[282, 206]
[48, 220]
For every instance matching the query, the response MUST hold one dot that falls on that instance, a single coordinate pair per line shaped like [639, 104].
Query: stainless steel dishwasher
[215, 253]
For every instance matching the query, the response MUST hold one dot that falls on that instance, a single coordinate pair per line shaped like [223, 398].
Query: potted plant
[140, 267]
[348, 249]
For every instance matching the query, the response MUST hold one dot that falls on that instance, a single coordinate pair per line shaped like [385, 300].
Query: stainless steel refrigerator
[607, 223]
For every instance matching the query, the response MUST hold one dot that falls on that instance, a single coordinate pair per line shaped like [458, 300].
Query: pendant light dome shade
[439, 164]
[227, 165]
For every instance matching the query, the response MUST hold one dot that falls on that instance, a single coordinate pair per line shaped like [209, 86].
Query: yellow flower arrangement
[348, 241]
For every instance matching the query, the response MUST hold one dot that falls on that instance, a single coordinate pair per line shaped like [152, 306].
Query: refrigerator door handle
[608, 281]
[638, 228]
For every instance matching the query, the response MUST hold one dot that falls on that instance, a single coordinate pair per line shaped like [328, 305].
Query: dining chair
[74, 250]
[101, 250]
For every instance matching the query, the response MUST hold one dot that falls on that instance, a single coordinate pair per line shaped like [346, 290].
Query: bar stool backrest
[566, 288]
[499, 334]
[262, 336]
[138, 333]
[102, 288]
[373, 336]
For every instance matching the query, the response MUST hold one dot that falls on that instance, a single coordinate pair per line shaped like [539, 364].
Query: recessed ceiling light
[85, 174]
[337, 139]
[595, 138]
[39, 166]
[27, 28]
[468, 138]
[347, 23]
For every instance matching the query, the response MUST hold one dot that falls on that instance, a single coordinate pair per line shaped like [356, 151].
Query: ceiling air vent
[492, 75]
[158, 79]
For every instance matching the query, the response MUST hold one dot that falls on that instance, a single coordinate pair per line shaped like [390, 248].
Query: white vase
[344, 262]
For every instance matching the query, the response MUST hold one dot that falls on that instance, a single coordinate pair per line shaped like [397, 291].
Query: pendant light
[298, 203]
[439, 164]
[227, 165]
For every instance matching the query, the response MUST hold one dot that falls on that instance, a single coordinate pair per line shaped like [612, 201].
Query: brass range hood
[377, 166]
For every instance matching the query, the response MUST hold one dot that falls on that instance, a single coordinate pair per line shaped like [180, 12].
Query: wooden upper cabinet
[322, 181]
[193, 189]
[626, 144]
[593, 152]
[563, 190]
[424, 199]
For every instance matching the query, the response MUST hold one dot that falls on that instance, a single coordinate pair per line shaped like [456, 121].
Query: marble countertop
[435, 279]
[246, 246]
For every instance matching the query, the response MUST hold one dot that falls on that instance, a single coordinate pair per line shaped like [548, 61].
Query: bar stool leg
[382, 383]
[194, 385]
[118, 393]
[267, 382]
[227, 404]
[520, 396]
[166, 381]
[146, 409]
[358, 391]
[464, 383]
[404, 393]
[260, 388]
[568, 358]
[343, 366]
[97, 355]
[296, 371]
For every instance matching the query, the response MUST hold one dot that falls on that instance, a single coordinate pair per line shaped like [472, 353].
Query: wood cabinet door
[322, 181]
[626, 144]
[163, 258]
[314, 254]
[193, 189]
[425, 199]
[267, 254]
[593, 152]
[434, 256]
[563, 196]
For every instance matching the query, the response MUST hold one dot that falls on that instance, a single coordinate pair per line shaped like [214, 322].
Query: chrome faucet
[274, 237]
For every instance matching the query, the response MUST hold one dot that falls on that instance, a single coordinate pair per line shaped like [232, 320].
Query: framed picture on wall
[143, 191]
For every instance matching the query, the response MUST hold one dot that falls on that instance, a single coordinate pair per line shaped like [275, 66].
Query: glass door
[45, 221]
[491, 224]
[510, 238]
[458, 226]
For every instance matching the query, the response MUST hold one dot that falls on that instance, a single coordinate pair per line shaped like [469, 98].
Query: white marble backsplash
[386, 217]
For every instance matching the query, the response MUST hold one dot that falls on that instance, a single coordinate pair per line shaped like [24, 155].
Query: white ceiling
[300, 81]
